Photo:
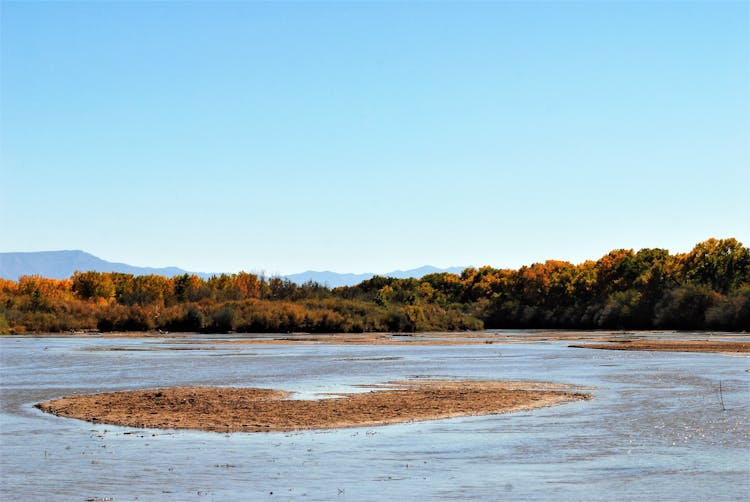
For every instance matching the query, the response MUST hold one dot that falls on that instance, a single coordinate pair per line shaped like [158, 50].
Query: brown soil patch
[372, 339]
[424, 338]
[672, 346]
[223, 409]
[412, 339]
[429, 338]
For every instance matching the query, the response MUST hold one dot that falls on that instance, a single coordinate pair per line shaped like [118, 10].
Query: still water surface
[654, 430]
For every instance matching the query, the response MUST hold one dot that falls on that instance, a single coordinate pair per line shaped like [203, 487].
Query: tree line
[706, 288]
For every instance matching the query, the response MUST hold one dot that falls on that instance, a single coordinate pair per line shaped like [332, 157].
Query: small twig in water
[721, 397]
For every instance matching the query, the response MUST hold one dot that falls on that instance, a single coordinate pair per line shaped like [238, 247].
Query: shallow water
[654, 430]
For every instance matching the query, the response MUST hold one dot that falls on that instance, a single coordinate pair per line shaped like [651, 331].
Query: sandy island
[374, 338]
[668, 341]
[601, 340]
[672, 346]
[642, 340]
[438, 338]
[226, 409]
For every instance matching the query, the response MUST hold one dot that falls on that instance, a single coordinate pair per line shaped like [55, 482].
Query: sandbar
[672, 346]
[229, 409]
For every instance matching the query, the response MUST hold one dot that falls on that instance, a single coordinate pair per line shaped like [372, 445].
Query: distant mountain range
[334, 279]
[62, 264]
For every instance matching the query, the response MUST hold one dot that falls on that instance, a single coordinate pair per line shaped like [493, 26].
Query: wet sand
[410, 339]
[612, 340]
[439, 338]
[376, 339]
[672, 346]
[224, 409]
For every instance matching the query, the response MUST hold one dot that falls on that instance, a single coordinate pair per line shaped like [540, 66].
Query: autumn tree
[93, 286]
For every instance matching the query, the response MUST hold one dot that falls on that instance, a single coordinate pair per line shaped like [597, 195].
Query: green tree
[93, 285]
[685, 307]
[721, 264]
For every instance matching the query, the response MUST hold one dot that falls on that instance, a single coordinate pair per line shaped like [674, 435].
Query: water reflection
[656, 428]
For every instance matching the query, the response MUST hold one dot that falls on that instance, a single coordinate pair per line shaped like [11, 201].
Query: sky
[372, 136]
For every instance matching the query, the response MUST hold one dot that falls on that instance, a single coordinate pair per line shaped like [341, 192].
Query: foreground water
[656, 428]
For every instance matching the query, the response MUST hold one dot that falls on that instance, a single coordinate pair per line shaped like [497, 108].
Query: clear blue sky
[372, 136]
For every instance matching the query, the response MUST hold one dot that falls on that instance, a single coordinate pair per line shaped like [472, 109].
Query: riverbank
[709, 342]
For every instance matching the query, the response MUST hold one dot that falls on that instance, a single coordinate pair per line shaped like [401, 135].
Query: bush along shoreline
[706, 288]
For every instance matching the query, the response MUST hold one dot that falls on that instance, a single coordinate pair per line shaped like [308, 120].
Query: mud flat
[672, 346]
[410, 339]
[432, 339]
[209, 341]
[436, 338]
[227, 409]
